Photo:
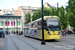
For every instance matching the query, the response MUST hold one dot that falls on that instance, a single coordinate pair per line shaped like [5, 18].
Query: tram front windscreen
[52, 24]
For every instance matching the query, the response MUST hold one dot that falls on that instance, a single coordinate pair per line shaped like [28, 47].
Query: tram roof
[40, 19]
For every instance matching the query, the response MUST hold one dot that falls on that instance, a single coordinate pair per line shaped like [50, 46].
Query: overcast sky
[9, 4]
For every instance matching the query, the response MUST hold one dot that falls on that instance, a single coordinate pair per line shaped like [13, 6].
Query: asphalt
[17, 42]
[2, 43]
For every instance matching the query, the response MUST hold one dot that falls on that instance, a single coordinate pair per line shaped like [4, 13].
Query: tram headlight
[49, 33]
[58, 33]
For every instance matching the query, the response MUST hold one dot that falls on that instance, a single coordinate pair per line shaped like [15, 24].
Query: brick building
[23, 9]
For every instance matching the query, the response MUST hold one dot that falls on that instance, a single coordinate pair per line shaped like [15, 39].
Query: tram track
[27, 43]
[14, 43]
[49, 45]
[56, 43]
[33, 47]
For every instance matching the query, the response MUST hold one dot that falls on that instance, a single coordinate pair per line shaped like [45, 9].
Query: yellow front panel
[54, 35]
[50, 17]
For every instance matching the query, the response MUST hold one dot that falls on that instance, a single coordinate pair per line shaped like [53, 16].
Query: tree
[47, 12]
[71, 12]
[27, 17]
[35, 16]
[63, 17]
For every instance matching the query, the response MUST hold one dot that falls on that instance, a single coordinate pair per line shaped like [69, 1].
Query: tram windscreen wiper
[50, 25]
[53, 27]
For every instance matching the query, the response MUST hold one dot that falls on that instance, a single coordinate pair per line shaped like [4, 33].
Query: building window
[24, 12]
[11, 17]
[5, 17]
[18, 17]
[7, 23]
[12, 23]
[18, 23]
[12, 29]
[1, 23]
[1, 17]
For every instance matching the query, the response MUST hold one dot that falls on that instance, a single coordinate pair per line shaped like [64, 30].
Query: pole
[17, 26]
[14, 27]
[43, 42]
[22, 25]
[7, 27]
[3, 23]
[57, 10]
[27, 6]
[34, 15]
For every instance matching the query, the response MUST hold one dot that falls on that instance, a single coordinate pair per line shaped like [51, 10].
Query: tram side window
[45, 25]
[35, 25]
[32, 25]
[39, 25]
[26, 30]
[39, 22]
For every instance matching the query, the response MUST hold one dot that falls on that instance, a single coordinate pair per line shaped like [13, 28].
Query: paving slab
[2, 43]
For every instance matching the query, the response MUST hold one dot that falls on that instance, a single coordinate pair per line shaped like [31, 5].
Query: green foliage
[27, 17]
[37, 15]
[71, 12]
[46, 12]
[63, 17]
[66, 16]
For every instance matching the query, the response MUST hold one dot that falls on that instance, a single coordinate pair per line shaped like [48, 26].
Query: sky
[9, 4]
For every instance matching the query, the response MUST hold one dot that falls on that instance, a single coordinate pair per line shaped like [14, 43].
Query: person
[65, 32]
[17, 32]
[62, 32]
[21, 32]
[3, 33]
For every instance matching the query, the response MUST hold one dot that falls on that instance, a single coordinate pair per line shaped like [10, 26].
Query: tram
[51, 28]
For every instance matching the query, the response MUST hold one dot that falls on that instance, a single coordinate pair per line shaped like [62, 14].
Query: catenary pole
[43, 42]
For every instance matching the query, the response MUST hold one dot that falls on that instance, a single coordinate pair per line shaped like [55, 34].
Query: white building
[9, 22]
[5, 11]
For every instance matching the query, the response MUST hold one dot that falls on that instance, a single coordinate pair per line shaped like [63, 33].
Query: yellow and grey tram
[51, 28]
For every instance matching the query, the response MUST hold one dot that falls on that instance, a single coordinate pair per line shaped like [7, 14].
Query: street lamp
[43, 42]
